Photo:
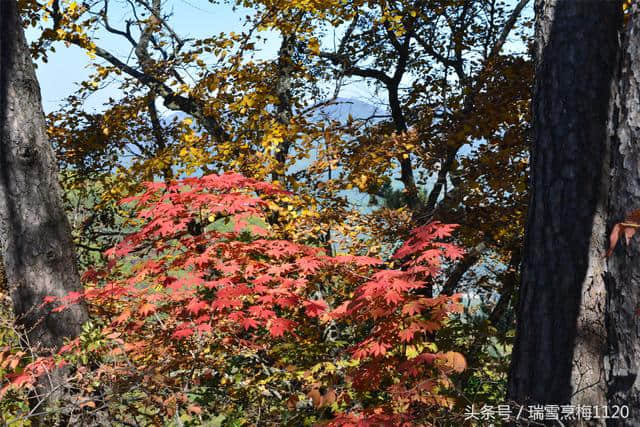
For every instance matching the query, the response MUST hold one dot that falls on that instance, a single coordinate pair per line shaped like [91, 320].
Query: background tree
[444, 72]
[450, 127]
[447, 141]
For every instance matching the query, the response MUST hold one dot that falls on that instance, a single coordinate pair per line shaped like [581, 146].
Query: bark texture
[623, 275]
[34, 231]
[561, 333]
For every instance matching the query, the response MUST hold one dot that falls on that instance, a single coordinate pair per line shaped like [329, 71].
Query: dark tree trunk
[623, 274]
[34, 231]
[284, 108]
[561, 334]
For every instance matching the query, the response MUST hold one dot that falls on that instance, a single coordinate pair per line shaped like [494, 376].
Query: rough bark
[34, 232]
[561, 334]
[623, 275]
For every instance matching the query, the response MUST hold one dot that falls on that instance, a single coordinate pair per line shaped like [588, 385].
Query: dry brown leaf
[628, 227]
[455, 360]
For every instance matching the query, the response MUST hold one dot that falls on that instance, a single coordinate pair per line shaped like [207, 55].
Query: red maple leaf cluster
[205, 274]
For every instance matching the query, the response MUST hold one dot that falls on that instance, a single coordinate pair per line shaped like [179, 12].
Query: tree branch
[467, 108]
[469, 260]
[351, 70]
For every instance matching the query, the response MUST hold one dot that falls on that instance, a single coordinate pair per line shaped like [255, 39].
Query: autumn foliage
[626, 228]
[204, 309]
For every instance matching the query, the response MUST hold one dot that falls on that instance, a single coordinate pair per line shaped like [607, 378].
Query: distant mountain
[339, 109]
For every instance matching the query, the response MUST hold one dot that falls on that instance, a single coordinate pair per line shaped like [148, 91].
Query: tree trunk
[623, 275]
[561, 333]
[284, 108]
[34, 231]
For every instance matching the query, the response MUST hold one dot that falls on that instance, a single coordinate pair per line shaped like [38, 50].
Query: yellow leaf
[411, 352]
[314, 46]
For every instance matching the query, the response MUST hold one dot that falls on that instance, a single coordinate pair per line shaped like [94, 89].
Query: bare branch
[105, 19]
[508, 26]
[468, 261]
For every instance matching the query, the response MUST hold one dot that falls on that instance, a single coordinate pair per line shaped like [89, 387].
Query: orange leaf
[626, 228]
[315, 397]
[455, 361]
[123, 317]
[613, 239]
[291, 402]
[194, 409]
[329, 397]
[146, 309]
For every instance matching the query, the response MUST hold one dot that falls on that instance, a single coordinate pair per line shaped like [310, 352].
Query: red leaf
[412, 307]
[69, 346]
[250, 323]
[205, 327]
[196, 305]
[393, 297]
[261, 312]
[194, 409]
[619, 229]
[315, 308]
[183, 333]
[73, 296]
[21, 380]
[279, 326]
[379, 348]
[406, 335]
[341, 310]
